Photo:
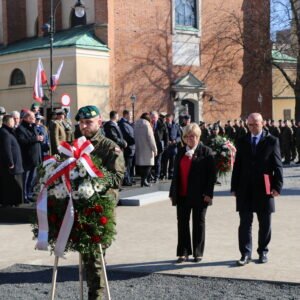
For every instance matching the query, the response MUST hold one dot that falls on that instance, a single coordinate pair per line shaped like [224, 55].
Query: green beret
[87, 112]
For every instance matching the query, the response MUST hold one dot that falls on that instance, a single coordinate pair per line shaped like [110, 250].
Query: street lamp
[79, 9]
[260, 100]
[133, 100]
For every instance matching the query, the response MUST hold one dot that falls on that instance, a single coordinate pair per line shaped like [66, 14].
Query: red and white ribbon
[78, 152]
[232, 151]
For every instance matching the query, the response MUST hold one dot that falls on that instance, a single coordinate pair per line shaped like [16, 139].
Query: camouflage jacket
[112, 159]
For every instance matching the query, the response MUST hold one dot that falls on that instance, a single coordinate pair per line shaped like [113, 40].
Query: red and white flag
[55, 77]
[40, 79]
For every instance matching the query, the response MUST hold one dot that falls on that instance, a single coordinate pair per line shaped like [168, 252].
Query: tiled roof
[80, 37]
[280, 57]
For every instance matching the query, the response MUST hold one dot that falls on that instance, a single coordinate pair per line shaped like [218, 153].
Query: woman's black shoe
[182, 259]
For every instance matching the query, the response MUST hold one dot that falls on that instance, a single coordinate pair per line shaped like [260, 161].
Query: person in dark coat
[29, 141]
[161, 139]
[42, 130]
[298, 142]
[169, 154]
[274, 130]
[205, 133]
[192, 190]
[286, 135]
[128, 135]
[112, 130]
[293, 146]
[229, 130]
[256, 180]
[11, 168]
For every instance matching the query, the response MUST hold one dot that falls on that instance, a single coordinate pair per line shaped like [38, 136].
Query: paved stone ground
[146, 243]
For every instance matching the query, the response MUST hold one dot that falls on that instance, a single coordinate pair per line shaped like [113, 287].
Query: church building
[176, 56]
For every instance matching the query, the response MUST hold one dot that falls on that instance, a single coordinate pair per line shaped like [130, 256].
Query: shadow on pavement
[167, 265]
[31, 274]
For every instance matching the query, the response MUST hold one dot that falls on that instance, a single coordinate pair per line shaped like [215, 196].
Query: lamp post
[260, 100]
[133, 100]
[50, 28]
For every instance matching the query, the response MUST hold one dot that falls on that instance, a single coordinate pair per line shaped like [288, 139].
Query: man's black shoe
[263, 259]
[245, 259]
[298, 162]
[197, 259]
[127, 184]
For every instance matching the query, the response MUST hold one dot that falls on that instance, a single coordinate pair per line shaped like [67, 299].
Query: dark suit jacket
[128, 135]
[161, 136]
[10, 152]
[248, 173]
[30, 147]
[113, 132]
[201, 178]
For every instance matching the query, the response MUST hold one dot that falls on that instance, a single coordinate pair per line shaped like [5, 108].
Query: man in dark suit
[161, 138]
[128, 135]
[112, 130]
[258, 161]
[11, 168]
[29, 140]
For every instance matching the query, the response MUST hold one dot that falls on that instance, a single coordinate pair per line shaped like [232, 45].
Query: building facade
[172, 55]
[283, 94]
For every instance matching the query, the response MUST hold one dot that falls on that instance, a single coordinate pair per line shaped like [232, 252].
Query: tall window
[17, 77]
[185, 13]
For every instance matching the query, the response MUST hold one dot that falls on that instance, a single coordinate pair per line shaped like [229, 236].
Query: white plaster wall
[67, 7]
[1, 22]
[32, 14]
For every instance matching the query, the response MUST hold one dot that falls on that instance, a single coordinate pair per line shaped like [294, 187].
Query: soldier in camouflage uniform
[112, 159]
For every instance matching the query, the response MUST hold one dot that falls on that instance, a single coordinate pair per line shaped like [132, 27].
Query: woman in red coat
[192, 191]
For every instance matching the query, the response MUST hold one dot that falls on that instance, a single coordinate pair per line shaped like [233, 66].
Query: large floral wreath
[73, 201]
[224, 153]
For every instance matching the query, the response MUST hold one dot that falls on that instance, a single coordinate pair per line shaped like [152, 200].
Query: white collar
[190, 151]
[258, 136]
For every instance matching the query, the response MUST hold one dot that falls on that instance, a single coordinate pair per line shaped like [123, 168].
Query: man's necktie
[253, 144]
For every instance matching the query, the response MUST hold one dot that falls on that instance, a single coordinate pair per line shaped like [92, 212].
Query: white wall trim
[45, 54]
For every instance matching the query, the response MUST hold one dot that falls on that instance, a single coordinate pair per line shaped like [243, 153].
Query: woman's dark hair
[146, 116]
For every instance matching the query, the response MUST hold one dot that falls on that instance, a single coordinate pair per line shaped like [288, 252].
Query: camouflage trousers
[94, 276]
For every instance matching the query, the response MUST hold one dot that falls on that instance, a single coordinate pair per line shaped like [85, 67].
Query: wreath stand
[54, 275]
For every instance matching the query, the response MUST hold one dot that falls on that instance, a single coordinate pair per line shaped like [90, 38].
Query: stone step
[144, 199]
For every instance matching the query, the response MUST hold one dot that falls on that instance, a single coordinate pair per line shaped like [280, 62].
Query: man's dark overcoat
[201, 177]
[248, 173]
[11, 185]
[30, 147]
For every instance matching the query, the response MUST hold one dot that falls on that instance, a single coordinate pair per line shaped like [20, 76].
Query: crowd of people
[156, 147]
[149, 145]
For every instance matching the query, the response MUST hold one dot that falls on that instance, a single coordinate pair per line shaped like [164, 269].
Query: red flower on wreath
[103, 220]
[88, 211]
[98, 209]
[96, 239]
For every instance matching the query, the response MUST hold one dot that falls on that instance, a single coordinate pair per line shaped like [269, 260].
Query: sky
[280, 15]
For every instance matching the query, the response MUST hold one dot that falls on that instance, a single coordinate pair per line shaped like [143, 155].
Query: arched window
[75, 21]
[17, 77]
[186, 13]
